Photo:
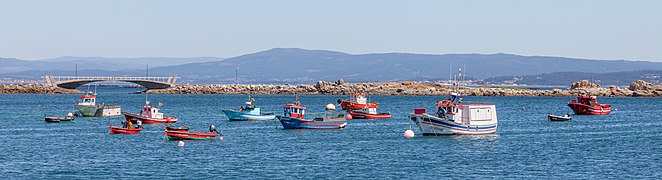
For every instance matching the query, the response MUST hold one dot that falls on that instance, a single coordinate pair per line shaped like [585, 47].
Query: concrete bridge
[72, 82]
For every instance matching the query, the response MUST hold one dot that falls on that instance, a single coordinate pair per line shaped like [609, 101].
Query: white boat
[454, 118]
[87, 106]
[566, 117]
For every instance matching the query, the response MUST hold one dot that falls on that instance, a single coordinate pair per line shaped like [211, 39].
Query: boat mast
[450, 73]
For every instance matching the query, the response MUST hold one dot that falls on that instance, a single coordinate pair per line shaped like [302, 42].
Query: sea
[626, 144]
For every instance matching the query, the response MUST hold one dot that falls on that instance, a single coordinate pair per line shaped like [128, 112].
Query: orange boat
[125, 130]
[356, 102]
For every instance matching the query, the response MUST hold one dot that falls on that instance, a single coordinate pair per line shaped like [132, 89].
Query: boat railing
[477, 102]
[69, 78]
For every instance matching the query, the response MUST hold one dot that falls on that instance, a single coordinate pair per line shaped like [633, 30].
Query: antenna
[146, 70]
[76, 69]
[465, 72]
[450, 73]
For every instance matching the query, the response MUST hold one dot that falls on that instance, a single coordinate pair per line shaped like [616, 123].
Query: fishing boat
[184, 134]
[127, 129]
[552, 117]
[249, 113]
[356, 102]
[368, 113]
[454, 118]
[54, 119]
[150, 115]
[294, 118]
[588, 105]
[88, 107]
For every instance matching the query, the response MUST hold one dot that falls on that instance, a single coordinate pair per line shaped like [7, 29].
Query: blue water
[625, 144]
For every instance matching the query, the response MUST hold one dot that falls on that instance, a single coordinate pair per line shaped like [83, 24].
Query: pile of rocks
[643, 88]
[34, 89]
[584, 84]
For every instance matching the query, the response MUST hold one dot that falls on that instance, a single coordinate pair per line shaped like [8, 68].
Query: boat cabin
[451, 106]
[358, 98]
[586, 99]
[87, 100]
[452, 109]
[151, 112]
[294, 111]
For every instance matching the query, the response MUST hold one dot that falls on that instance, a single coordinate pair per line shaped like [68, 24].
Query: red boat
[123, 130]
[149, 114]
[183, 134]
[588, 105]
[368, 113]
[356, 102]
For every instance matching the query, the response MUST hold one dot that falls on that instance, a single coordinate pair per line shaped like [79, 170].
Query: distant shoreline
[341, 88]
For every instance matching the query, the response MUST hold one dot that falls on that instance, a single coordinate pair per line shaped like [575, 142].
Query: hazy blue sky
[600, 29]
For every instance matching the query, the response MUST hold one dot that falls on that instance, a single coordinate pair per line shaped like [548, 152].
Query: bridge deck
[72, 82]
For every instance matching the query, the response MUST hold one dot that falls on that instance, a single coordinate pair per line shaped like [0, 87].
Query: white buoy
[180, 144]
[330, 107]
[409, 133]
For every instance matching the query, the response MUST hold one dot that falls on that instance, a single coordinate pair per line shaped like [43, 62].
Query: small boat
[53, 119]
[88, 107]
[249, 113]
[294, 118]
[551, 117]
[125, 130]
[454, 118]
[150, 115]
[356, 102]
[588, 105]
[183, 134]
[368, 113]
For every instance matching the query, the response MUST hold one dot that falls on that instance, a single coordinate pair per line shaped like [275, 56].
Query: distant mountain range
[68, 63]
[291, 65]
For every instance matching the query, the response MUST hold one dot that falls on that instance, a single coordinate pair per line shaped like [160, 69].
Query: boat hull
[239, 116]
[583, 109]
[558, 118]
[121, 130]
[98, 110]
[134, 117]
[296, 123]
[432, 126]
[185, 135]
[363, 115]
[57, 119]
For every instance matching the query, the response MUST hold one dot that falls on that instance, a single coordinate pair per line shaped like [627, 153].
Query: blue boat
[249, 113]
[294, 118]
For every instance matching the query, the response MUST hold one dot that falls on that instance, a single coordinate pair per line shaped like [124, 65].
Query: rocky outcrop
[34, 89]
[584, 84]
[641, 85]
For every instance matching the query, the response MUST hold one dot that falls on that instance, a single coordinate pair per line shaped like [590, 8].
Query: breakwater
[637, 88]
[34, 89]
[404, 88]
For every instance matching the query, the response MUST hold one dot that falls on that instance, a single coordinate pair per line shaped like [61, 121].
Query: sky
[592, 29]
